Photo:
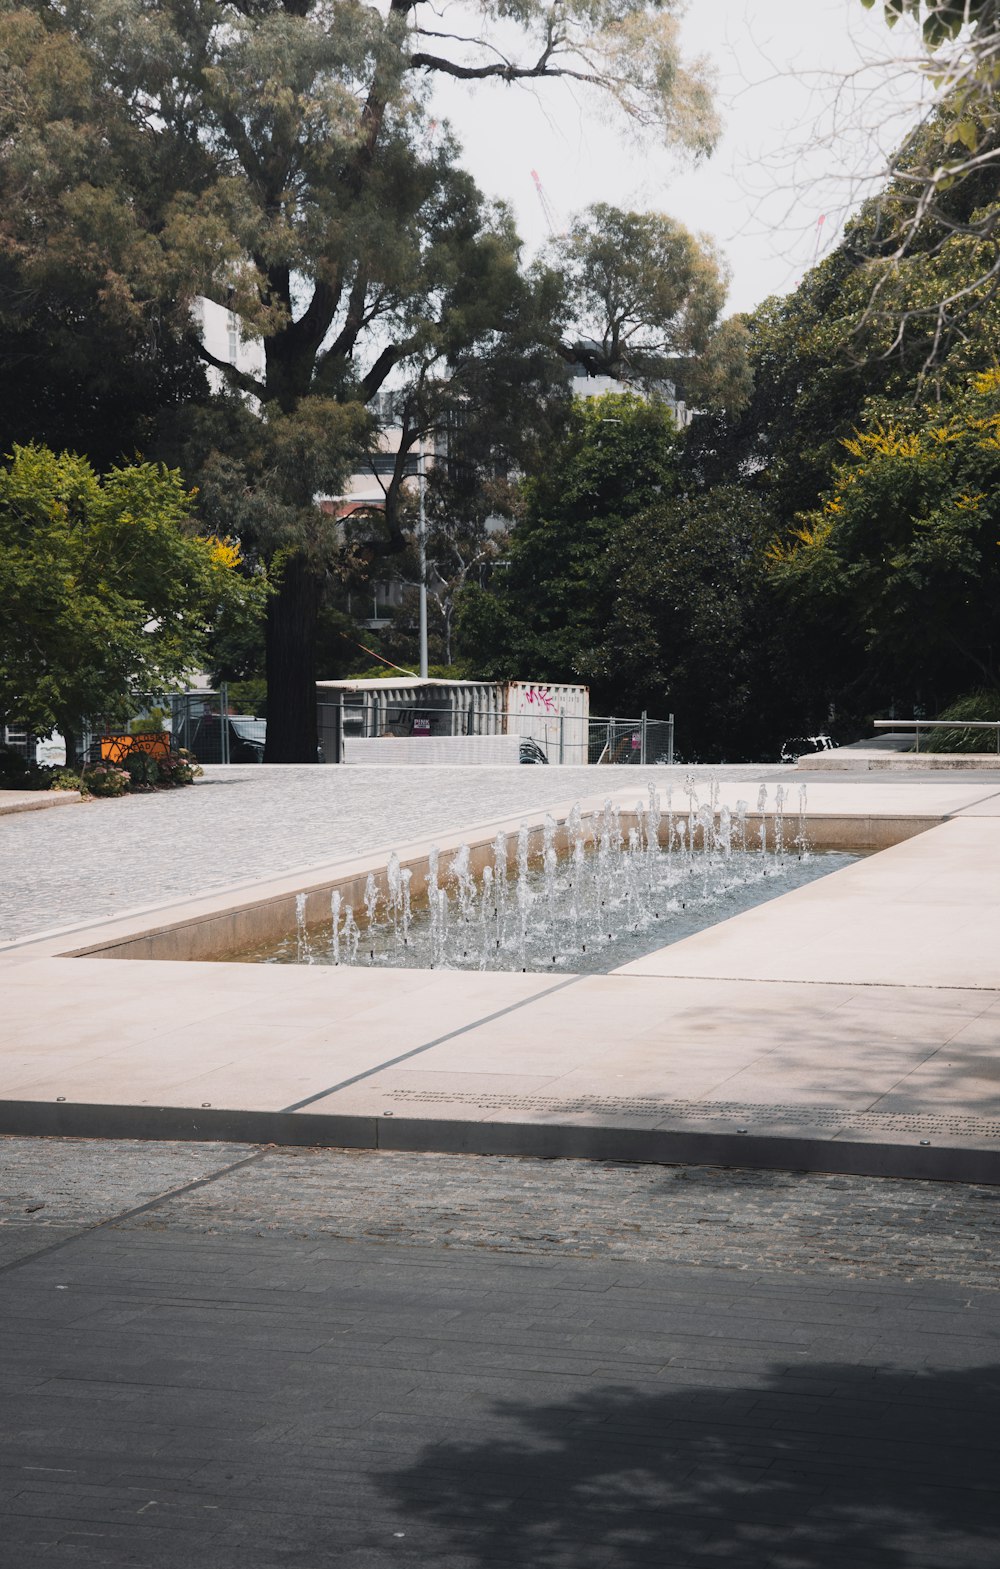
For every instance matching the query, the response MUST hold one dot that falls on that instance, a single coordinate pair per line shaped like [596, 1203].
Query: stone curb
[539, 1140]
[36, 800]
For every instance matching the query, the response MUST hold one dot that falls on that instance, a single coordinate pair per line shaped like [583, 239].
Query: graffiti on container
[542, 698]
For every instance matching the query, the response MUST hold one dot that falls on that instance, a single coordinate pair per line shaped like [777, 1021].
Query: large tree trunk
[291, 665]
[70, 734]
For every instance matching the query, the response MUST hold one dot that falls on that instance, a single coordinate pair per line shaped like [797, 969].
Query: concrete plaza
[852, 1024]
[248, 1356]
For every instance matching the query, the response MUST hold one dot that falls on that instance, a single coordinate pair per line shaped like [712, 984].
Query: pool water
[587, 914]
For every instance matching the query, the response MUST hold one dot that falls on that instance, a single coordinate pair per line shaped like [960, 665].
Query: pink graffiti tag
[542, 697]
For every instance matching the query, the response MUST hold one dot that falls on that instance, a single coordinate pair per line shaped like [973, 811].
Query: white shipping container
[553, 715]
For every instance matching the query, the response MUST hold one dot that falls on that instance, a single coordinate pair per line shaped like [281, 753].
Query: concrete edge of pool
[865, 1011]
[233, 921]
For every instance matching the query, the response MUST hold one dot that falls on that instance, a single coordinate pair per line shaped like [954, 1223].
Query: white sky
[813, 94]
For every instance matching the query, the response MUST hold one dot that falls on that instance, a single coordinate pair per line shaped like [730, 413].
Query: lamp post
[422, 554]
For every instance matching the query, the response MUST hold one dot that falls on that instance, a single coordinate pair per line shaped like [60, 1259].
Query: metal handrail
[916, 725]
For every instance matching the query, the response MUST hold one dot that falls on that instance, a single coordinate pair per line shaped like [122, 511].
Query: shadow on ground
[826, 1466]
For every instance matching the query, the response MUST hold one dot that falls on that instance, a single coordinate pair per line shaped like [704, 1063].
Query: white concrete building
[223, 336]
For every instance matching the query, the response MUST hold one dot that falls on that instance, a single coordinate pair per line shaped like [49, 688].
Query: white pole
[422, 545]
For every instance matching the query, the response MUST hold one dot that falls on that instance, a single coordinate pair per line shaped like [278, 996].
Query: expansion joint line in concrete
[959, 812]
[416, 1051]
[138, 1209]
[799, 980]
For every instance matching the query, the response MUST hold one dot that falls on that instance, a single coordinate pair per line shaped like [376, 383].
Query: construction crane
[554, 226]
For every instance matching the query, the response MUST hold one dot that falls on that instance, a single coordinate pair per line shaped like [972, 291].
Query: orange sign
[115, 748]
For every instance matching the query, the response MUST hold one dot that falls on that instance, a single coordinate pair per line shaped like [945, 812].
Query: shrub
[65, 779]
[105, 779]
[176, 770]
[17, 773]
[983, 704]
[142, 769]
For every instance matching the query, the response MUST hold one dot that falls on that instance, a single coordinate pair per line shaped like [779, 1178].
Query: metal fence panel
[550, 738]
[202, 722]
[659, 740]
[615, 740]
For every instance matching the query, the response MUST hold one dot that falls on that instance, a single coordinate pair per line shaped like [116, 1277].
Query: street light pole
[422, 548]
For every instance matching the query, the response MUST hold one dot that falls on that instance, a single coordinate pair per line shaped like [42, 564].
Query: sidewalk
[851, 1025]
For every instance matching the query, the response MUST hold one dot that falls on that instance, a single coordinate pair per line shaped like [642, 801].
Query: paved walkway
[243, 1376]
[850, 1025]
[244, 822]
[248, 1357]
[848, 1227]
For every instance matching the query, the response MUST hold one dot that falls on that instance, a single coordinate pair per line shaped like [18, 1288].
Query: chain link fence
[201, 723]
[638, 741]
[543, 738]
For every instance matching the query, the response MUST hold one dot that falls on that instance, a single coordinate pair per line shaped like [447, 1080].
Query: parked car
[246, 736]
[799, 745]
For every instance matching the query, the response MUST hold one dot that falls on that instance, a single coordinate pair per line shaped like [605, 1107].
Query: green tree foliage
[859, 346]
[88, 331]
[940, 20]
[277, 156]
[900, 608]
[898, 569]
[555, 593]
[109, 593]
[641, 297]
[861, 334]
[691, 629]
[74, 381]
[943, 179]
[807, 390]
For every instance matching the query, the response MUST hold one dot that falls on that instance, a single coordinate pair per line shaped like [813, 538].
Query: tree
[465, 515]
[109, 593]
[898, 569]
[692, 628]
[259, 478]
[941, 20]
[641, 297]
[942, 182]
[275, 156]
[554, 596]
[829, 355]
[73, 380]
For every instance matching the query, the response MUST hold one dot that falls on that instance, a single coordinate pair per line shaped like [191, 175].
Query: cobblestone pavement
[107, 857]
[848, 1227]
[248, 1358]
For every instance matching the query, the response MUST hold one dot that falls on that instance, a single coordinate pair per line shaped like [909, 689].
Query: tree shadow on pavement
[824, 1466]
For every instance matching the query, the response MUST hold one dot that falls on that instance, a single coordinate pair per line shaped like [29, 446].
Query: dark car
[245, 735]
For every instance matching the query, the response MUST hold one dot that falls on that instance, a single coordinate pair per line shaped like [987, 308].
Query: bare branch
[237, 378]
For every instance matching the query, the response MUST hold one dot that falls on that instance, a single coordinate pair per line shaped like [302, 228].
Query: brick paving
[103, 858]
[849, 1227]
[322, 1359]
